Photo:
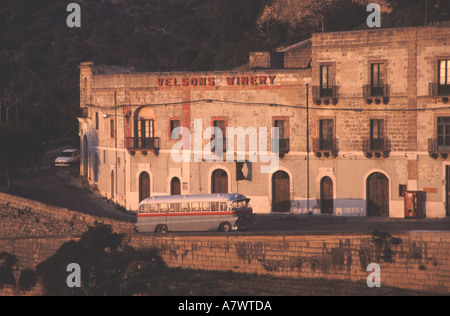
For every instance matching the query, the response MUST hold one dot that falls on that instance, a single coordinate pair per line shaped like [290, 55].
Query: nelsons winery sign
[213, 81]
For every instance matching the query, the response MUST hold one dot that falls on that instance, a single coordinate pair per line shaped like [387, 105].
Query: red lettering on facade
[262, 80]
[230, 81]
[160, 81]
[193, 82]
[202, 82]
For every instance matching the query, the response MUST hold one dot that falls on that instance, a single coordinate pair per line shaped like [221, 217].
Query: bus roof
[222, 197]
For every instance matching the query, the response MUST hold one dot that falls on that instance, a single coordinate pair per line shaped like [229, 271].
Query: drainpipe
[307, 146]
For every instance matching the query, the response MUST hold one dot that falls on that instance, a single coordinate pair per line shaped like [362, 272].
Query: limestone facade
[361, 115]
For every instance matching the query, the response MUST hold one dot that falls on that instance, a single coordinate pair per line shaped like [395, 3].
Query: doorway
[175, 186]
[281, 192]
[326, 196]
[378, 195]
[144, 186]
[219, 181]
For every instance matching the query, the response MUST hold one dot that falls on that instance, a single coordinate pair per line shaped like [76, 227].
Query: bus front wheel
[161, 229]
[225, 227]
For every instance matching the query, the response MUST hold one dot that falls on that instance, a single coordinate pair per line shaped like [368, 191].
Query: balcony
[437, 90]
[284, 146]
[325, 95]
[376, 147]
[376, 94]
[216, 142]
[325, 147]
[83, 112]
[143, 145]
[436, 149]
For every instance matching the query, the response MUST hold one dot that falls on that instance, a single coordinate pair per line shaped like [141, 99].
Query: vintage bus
[211, 212]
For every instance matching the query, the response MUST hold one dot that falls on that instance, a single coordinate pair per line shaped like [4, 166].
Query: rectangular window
[97, 123]
[173, 125]
[443, 133]
[377, 79]
[376, 134]
[444, 72]
[376, 129]
[325, 76]
[401, 190]
[444, 77]
[222, 126]
[283, 130]
[326, 134]
[112, 129]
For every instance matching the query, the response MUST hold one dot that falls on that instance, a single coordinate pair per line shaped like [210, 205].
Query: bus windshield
[240, 204]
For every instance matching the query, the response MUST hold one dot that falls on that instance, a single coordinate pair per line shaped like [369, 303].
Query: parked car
[68, 157]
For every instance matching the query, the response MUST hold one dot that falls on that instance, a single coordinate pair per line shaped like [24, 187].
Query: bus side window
[223, 206]
[164, 208]
[206, 207]
[175, 207]
[196, 207]
[215, 207]
[143, 208]
[153, 208]
[185, 208]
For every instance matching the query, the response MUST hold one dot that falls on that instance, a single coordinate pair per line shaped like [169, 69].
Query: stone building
[361, 117]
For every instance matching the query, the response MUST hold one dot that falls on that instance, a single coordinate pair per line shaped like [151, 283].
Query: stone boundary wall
[414, 260]
[417, 261]
[20, 217]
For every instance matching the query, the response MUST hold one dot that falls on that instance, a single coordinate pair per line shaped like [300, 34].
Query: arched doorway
[219, 181]
[144, 186]
[175, 186]
[85, 157]
[377, 195]
[113, 186]
[326, 196]
[281, 192]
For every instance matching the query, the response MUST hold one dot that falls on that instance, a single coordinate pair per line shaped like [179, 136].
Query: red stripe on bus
[191, 214]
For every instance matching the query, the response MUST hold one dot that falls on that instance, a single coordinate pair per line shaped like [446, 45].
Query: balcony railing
[143, 144]
[437, 90]
[378, 147]
[83, 112]
[325, 147]
[284, 146]
[437, 148]
[216, 142]
[378, 93]
[325, 95]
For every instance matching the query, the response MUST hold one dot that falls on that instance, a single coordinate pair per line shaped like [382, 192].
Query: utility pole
[307, 146]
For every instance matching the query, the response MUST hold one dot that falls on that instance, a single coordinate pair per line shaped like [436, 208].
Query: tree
[19, 146]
